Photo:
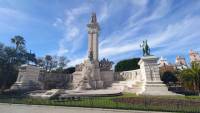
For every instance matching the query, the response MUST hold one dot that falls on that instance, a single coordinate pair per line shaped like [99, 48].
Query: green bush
[168, 77]
[128, 64]
[69, 70]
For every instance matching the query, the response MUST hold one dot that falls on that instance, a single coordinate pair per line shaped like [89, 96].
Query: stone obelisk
[91, 70]
[93, 33]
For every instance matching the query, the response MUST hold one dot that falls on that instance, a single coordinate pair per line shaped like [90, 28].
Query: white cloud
[116, 43]
[71, 21]
[128, 36]
[139, 2]
[110, 46]
[11, 18]
[62, 51]
[77, 61]
[7, 12]
[103, 13]
[72, 29]
[160, 11]
[58, 22]
[112, 51]
[178, 38]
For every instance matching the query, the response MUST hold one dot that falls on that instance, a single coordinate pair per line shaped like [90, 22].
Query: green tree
[31, 57]
[40, 62]
[8, 67]
[50, 62]
[69, 70]
[168, 77]
[21, 55]
[10, 60]
[128, 64]
[190, 77]
[62, 62]
[18, 41]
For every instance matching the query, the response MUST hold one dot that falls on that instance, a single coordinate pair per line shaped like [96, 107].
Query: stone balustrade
[127, 75]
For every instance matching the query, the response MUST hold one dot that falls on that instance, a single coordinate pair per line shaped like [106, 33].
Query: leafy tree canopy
[168, 77]
[11, 58]
[128, 64]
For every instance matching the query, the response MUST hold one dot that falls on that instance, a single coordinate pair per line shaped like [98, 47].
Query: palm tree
[191, 77]
[18, 41]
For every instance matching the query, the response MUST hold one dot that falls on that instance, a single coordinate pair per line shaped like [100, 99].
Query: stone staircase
[128, 86]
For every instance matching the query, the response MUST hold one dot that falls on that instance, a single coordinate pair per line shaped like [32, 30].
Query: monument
[143, 81]
[95, 77]
[32, 77]
[28, 78]
[150, 72]
[93, 74]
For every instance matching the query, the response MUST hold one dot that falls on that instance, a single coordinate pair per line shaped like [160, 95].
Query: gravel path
[20, 108]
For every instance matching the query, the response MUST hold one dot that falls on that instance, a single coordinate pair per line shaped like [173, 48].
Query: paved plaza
[17, 108]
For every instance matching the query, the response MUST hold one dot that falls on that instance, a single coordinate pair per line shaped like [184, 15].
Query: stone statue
[85, 83]
[105, 64]
[91, 56]
[146, 49]
[94, 18]
[79, 67]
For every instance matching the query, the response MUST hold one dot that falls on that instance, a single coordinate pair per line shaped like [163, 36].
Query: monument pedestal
[28, 78]
[155, 88]
[89, 77]
[150, 72]
[97, 84]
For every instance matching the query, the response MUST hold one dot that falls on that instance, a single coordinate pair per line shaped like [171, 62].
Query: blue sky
[58, 27]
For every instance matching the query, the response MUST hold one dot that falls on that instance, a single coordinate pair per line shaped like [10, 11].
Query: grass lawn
[126, 101]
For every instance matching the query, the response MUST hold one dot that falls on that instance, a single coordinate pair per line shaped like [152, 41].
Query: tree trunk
[194, 85]
[198, 83]
[5, 72]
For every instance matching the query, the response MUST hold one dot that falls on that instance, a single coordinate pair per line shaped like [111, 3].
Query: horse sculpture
[146, 49]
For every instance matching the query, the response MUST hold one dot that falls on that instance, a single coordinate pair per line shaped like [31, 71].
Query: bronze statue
[91, 56]
[146, 49]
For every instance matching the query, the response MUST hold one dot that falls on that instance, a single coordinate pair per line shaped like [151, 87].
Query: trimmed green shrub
[128, 64]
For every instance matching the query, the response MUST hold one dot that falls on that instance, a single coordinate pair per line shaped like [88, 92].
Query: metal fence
[129, 103]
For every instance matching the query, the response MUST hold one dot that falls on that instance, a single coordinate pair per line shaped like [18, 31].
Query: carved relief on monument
[105, 64]
[128, 75]
[79, 67]
[85, 82]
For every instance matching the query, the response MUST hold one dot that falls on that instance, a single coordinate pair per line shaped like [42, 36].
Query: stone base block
[152, 88]
[97, 84]
[25, 86]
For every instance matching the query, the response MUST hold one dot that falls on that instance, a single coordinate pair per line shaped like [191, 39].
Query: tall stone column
[93, 33]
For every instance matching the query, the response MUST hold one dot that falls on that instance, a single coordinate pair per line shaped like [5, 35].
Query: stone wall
[55, 80]
[106, 76]
[31, 77]
[129, 81]
[127, 75]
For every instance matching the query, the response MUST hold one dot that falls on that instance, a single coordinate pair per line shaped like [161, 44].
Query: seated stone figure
[85, 82]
